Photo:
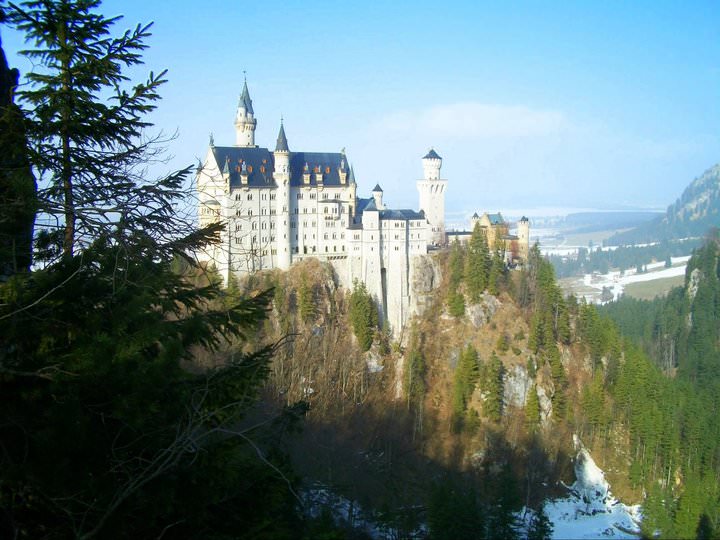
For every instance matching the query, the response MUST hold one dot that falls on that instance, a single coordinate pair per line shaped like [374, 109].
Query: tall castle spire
[245, 122]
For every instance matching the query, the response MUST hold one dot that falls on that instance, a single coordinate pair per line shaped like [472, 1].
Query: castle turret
[432, 196]
[523, 233]
[377, 194]
[245, 122]
[282, 215]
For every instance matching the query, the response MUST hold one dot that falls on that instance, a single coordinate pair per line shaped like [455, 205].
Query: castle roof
[282, 144]
[245, 100]
[260, 164]
[475, 216]
[432, 154]
[402, 214]
[377, 188]
[496, 219]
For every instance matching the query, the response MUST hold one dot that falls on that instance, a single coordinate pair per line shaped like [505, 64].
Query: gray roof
[432, 154]
[402, 214]
[475, 216]
[245, 100]
[260, 164]
[377, 188]
[282, 144]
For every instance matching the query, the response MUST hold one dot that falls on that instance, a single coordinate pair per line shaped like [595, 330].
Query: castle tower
[245, 122]
[432, 196]
[377, 194]
[282, 215]
[523, 233]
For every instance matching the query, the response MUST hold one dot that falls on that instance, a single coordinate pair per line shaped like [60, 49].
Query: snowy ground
[590, 286]
[590, 510]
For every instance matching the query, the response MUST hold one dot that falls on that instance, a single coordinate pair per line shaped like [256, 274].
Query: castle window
[335, 248]
[292, 224]
[325, 236]
[337, 195]
[249, 168]
[249, 197]
[327, 170]
[262, 169]
[272, 225]
[264, 196]
[272, 196]
[304, 210]
[325, 196]
[273, 251]
[326, 249]
[299, 196]
[326, 209]
[263, 211]
[264, 225]
[272, 211]
[254, 225]
[249, 211]
[313, 195]
[334, 236]
[296, 210]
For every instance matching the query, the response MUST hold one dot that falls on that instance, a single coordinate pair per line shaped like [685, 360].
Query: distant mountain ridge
[692, 215]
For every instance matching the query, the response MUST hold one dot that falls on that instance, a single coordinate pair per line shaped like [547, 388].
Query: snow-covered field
[590, 286]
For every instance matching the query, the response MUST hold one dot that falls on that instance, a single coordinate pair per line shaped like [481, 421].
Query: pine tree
[105, 433]
[464, 380]
[494, 386]
[363, 315]
[532, 409]
[477, 264]
[540, 526]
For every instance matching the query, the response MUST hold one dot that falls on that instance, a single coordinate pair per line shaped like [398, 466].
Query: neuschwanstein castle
[282, 206]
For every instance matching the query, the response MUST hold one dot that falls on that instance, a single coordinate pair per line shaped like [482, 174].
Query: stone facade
[282, 206]
[497, 232]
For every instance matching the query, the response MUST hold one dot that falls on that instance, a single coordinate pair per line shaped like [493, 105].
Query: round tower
[245, 122]
[432, 196]
[523, 233]
[281, 175]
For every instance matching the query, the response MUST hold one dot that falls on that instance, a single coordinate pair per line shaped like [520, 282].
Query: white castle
[283, 206]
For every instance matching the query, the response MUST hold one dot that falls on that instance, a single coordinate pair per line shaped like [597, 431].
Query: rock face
[480, 313]
[425, 279]
[516, 386]
[545, 404]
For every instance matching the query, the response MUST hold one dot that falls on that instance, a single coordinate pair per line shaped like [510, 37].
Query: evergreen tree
[496, 275]
[415, 378]
[477, 264]
[494, 386]
[540, 526]
[363, 315]
[532, 409]
[464, 381]
[105, 434]
[307, 308]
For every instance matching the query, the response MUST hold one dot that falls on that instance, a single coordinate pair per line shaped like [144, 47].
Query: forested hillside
[691, 215]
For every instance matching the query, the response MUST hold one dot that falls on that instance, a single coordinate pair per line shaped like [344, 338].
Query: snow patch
[590, 510]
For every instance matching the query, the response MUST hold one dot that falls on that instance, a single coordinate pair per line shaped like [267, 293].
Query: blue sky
[575, 104]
